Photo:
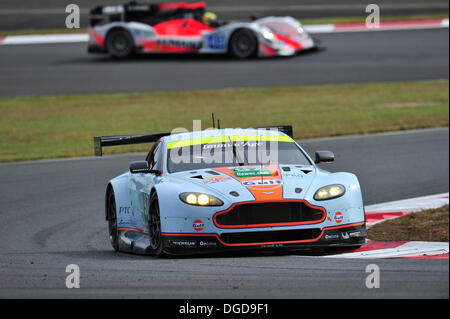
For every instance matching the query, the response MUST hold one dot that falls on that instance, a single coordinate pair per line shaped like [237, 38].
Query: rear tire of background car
[154, 226]
[112, 221]
[243, 44]
[119, 43]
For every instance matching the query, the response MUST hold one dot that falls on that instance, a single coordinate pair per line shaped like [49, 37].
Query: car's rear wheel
[112, 221]
[154, 226]
[119, 43]
[243, 44]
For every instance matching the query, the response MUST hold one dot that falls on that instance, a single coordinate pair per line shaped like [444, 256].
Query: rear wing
[102, 141]
[148, 13]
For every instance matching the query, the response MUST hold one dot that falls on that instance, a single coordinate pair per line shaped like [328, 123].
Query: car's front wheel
[119, 43]
[154, 226]
[243, 44]
[112, 221]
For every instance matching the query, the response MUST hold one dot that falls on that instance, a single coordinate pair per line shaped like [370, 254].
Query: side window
[154, 158]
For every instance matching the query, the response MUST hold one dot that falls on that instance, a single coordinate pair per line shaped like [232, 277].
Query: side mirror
[324, 157]
[142, 167]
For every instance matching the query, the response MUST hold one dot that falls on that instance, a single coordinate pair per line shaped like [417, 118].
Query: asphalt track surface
[52, 215]
[350, 58]
[29, 14]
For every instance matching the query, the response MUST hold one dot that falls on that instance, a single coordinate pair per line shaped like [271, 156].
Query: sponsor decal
[226, 139]
[126, 210]
[356, 234]
[198, 225]
[331, 237]
[250, 171]
[238, 144]
[182, 43]
[293, 175]
[216, 179]
[207, 244]
[157, 47]
[272, 246]
[262, 184]
[183, 243]
[338, 217]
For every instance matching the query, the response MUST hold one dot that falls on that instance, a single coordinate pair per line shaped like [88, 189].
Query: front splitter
[187, 243]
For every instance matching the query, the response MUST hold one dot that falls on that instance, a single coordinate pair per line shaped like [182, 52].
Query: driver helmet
[209, 18]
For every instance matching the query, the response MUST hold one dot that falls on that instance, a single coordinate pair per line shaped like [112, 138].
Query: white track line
[45, 39]
[313, 29]
[411, 204]
[410, 249]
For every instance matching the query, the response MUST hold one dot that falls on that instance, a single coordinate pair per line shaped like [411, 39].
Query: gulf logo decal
[338, 217]
[198, 225]
[259, 183]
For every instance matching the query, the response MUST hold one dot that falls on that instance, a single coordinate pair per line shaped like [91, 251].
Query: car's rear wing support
[101, 141]
[286, 129]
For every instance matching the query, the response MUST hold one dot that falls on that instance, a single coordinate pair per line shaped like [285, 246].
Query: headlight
[329, 192]
[200, 199]
[267, 34]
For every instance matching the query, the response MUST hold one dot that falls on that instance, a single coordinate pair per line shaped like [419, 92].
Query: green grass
[63, 126]
[326, 20]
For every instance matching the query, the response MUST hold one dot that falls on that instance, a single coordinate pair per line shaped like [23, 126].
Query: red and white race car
[132, 28]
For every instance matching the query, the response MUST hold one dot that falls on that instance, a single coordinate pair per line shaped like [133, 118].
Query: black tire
[154, 226]
[243, 44]
[112, 221]
[119, 43]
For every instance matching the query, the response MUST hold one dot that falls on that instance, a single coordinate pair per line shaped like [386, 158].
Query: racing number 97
[216, 41]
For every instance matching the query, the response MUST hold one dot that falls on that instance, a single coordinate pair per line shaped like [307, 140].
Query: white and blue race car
[228, 189]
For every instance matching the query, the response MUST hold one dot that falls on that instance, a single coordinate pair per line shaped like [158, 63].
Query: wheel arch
[109, 189]
[117, 185]
[153, 191]
[118, 27]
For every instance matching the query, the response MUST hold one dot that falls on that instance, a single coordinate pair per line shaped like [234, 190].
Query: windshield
[231, 152]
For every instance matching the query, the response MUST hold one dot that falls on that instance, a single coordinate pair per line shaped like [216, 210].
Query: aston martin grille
[266, 214]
